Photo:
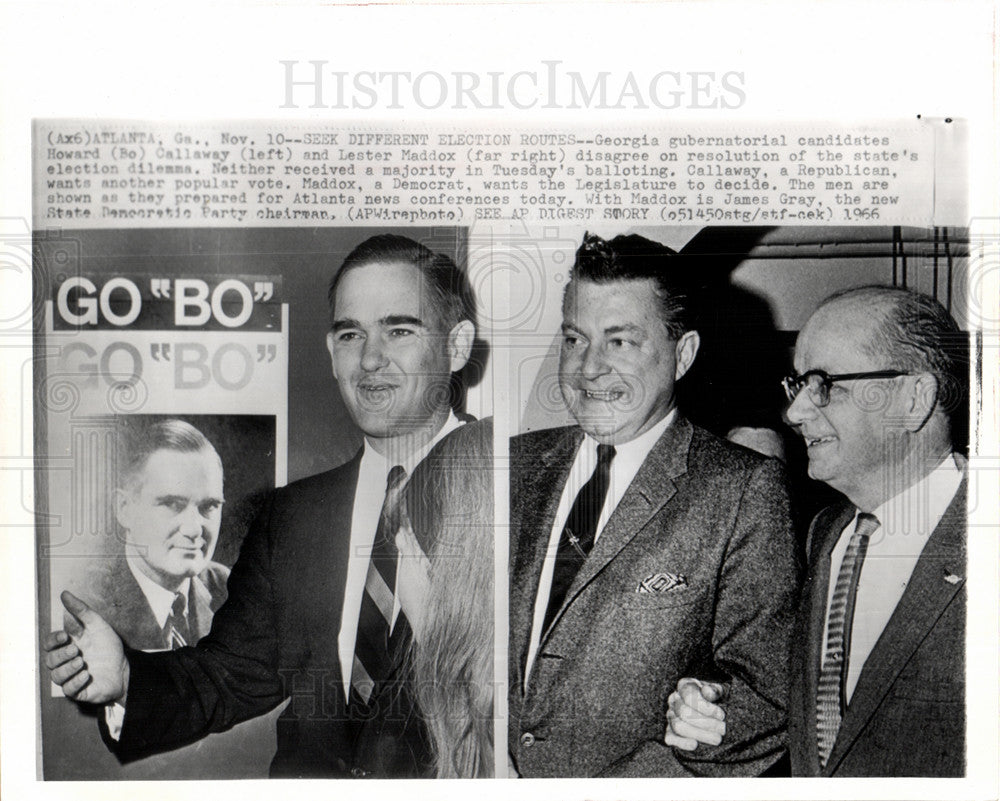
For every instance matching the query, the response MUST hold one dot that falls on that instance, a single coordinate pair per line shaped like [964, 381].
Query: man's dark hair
[634, 258]
[446, 285]
[138, 442]
[916, 333]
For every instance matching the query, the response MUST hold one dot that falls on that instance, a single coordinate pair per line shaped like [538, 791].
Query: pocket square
[662, 582]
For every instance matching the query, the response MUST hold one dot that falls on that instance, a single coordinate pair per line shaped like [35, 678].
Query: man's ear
[460, 340]
[329, 348]
[122, 502]
[921, 400]
[685, 350]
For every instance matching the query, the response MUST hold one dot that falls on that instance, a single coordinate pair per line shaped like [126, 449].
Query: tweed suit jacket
[595, 703]
[906, 716]
[120, 601]
[276, 638]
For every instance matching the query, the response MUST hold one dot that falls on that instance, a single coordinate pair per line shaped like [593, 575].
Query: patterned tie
[579, 532]
[176, 629]
[831, 696]
[375, 648]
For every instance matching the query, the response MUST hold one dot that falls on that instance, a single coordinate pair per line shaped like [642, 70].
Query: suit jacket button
[527, 739]
[359, 773]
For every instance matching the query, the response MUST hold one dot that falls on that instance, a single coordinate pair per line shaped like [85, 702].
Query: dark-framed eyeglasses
[818, 383]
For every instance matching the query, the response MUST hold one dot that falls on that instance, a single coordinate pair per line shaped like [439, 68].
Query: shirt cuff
[114, 717]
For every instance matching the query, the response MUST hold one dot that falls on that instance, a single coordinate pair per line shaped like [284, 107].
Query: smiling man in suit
[313, 612]
[164, 590]
[878, 660]
[643, 548]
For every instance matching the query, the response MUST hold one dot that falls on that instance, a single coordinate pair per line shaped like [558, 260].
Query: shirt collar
[919, 508]
[160, 600]
[636, 450]
[374, 462]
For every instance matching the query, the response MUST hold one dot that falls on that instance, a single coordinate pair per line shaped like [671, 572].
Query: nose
[594, 364]
[801, 409]
[191, 523]
[373, 355]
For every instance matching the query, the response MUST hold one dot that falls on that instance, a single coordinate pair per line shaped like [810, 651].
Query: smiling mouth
[190, 552]
[811, 441]
[607, 395]
[376, 391]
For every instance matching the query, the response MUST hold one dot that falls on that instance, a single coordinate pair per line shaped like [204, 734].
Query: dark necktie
[176, 629]
[375, 648]
[579, 532]
[831, 692]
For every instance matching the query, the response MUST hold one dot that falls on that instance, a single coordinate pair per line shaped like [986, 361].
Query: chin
[601, 433]
[594, 421]
[189, 568]
[820, 473]
[596, 425]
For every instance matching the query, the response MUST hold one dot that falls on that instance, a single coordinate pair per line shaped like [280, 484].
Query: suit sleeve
[755, 609]
[176, 697]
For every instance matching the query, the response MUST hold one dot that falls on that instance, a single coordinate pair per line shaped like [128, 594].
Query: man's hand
[87, 659]
[693, 714]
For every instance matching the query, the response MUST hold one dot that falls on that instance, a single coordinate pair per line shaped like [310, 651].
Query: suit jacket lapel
[334, 547]
[651, 488]
[537, 508]
[924, 600]
[141, 629]
[318, 551]
[201, 610]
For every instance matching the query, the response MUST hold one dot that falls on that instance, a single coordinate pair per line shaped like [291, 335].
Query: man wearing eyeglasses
[878, 661]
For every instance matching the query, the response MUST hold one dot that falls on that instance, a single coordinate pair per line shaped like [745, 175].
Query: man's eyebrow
[402, 319]
[388, 320]
[625, 329]
[170, 498]
[340, 325]
[570, 327]
[167, 498]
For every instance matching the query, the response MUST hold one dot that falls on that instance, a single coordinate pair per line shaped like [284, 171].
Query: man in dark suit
[119, 598]
[163, 591]
[878, 661]
[312, 613]
[642, 546]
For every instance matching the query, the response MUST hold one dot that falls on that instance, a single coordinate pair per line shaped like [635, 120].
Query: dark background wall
[761, 285]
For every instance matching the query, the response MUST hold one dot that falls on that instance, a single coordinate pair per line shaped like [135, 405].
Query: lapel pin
[661, 582]
[951, 578]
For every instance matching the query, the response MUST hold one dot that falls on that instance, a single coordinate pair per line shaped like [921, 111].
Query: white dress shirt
[629, 457]
[368, 500]
[906, 522]
[160, 600]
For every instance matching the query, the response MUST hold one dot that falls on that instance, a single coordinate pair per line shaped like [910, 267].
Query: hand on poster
[86, 659]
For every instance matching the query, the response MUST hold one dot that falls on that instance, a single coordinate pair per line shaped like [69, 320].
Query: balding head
[875, 412]
[909, 331]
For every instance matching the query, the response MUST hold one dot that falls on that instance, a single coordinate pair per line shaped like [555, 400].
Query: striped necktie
[176, 629]
[377, 640]
[831, 696]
